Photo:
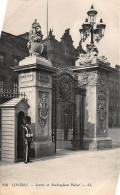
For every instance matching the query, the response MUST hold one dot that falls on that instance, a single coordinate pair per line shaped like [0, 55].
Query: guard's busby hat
[27, 119]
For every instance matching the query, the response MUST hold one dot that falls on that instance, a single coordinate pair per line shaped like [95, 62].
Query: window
[117, 103]
[111, 86]
[15, 87]
[112, 102]
[1, 85]
[66, 53]
[1, 59]
[16, 62]
[117, 87]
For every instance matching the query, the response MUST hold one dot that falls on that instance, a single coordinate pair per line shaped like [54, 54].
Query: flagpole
[47, 18]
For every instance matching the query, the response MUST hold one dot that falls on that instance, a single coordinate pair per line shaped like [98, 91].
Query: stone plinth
[35, 79]
[95, 79]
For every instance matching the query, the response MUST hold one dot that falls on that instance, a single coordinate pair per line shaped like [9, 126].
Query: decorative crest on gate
[64, 69]
[64, 91]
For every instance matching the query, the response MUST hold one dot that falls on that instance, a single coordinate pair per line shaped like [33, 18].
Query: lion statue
[34, 45]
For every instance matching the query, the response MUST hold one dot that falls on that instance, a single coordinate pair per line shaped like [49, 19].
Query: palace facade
[14, 48]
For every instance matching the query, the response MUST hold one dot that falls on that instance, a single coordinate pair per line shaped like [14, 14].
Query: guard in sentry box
[28, 138]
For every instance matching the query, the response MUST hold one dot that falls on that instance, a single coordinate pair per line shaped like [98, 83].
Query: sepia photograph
[59, 97]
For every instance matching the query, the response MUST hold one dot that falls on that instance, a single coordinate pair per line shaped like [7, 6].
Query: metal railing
[7, 93]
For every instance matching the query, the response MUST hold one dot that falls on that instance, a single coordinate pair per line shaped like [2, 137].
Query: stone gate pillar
[35, 79]
[95, 79]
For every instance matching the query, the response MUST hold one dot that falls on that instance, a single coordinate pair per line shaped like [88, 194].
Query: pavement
[67, 172]
[114, 134]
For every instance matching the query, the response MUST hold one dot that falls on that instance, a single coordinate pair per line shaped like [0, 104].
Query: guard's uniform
[28, 137]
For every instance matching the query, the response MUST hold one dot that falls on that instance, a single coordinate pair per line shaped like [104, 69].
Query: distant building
[14, 48]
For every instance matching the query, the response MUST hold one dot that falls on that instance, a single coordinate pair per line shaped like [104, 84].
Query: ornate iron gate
[68, 112]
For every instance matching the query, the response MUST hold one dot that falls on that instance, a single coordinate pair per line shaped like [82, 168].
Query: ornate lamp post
[91, 28]
[93, 74]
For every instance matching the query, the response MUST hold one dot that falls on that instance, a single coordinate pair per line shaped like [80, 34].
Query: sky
[63, 14]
